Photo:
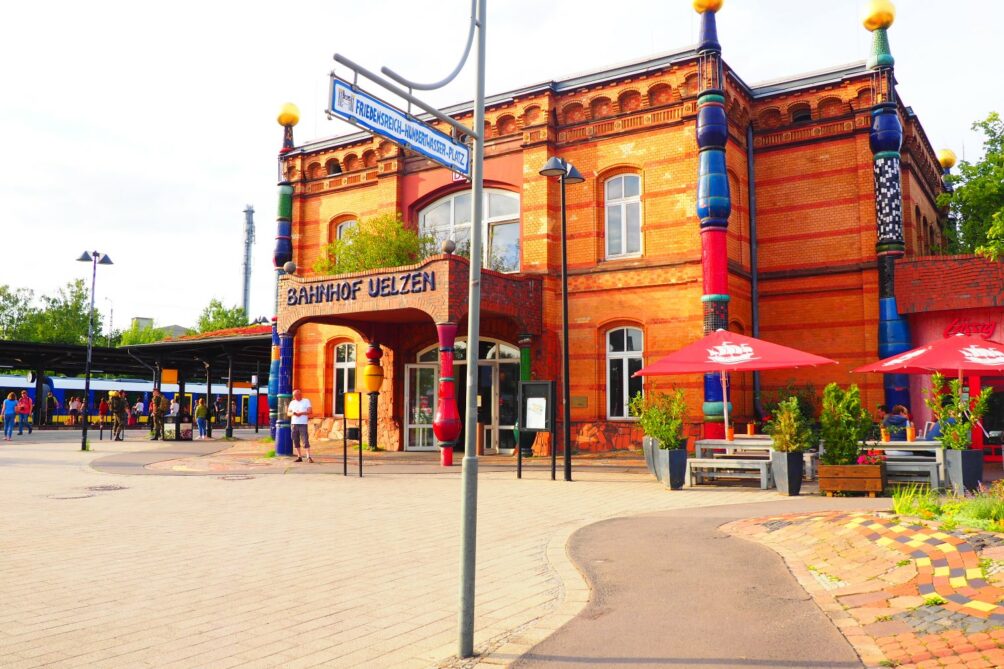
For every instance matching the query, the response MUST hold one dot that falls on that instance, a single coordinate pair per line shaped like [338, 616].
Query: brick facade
[814, 209]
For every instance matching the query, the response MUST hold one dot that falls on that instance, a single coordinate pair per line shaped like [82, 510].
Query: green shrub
[844, 424]
[789, 427]
[661, 416]
[916, 500]
[955, 414]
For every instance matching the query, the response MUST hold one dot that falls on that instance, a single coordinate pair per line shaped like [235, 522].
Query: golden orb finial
[289, 115]
[701, 6]
[947, 158]
[879, 14]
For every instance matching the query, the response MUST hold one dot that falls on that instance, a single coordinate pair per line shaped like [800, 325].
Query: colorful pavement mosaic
[905, 594]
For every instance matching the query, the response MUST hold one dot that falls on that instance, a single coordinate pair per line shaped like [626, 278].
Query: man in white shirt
[298, 411]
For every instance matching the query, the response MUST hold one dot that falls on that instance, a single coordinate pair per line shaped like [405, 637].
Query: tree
[977, 202]
[60, 318]
[373, 244]
[218, 317]
[16, 309]
[138, 335]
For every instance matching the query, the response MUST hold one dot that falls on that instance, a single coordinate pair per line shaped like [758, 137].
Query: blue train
[251, 403]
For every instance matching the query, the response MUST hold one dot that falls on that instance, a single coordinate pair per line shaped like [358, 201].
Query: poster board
[536, 406]
[352, 405]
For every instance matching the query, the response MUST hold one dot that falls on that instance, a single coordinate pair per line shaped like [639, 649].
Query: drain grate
[105, 488]
[236, 477]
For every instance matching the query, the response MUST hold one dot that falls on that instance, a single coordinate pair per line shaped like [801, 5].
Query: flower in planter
[871, 458]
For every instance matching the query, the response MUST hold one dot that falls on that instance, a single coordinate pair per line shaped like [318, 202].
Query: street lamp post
[567, 174]
[95, 258]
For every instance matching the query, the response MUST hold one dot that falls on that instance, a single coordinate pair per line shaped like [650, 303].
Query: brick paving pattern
[904, 594]
[269, 570]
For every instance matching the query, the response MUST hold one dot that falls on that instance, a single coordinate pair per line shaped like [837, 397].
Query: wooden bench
[916, 469]
[752, 447]
[758, 468]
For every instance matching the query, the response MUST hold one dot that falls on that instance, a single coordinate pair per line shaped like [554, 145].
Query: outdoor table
[934, 448]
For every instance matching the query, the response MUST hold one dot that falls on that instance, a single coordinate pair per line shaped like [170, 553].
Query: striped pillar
[713, 203]
[280, 371]
[885, 139]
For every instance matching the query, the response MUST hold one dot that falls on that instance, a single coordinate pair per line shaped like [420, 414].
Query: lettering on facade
[407, 283]
[983, 329]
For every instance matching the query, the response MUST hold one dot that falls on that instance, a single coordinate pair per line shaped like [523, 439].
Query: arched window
[344, 227]
[345, 374]
[801, 113]
[450, 218]
[623, 215]
[332, 167]
[624, 355]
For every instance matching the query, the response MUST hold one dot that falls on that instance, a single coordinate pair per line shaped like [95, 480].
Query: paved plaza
[229, 569]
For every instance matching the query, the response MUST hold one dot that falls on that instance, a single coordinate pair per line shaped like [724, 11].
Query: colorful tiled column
[886, 138]
[280, 380]
[446, 423]
[713, 202]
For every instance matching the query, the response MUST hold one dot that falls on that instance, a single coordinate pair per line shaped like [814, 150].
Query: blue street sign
[381, 118]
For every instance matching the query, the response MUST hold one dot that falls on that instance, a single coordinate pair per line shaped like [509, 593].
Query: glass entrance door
[420, 406]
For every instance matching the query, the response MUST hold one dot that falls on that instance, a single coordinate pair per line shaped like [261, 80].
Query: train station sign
[381, 118]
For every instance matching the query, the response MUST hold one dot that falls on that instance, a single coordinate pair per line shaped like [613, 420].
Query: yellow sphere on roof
[701, 6]
[947, 158]
[289, 115]
[879, 14]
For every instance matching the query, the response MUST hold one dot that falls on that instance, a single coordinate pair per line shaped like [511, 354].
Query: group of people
[16, 410]
[897, 421]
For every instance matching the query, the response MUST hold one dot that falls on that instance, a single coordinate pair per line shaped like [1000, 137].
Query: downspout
[754, 276]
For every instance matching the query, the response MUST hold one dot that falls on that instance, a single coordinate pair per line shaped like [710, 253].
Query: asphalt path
[671, 590]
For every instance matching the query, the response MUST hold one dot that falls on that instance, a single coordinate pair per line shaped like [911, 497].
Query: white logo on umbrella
[728, 353]
[906, 356]
[982, 355]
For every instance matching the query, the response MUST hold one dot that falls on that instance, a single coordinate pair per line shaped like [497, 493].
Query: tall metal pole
[90, 345]
[469, 475]
[230, 397]
[566, 408]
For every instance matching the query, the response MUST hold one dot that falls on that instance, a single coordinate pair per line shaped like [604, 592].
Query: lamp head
[555, 167]
[878, 14]
[946, 158]
[85, 257]
[105, 260]
[289, 115]
[573, 176]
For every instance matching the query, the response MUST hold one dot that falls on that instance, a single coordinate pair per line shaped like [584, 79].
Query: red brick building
[803, 220]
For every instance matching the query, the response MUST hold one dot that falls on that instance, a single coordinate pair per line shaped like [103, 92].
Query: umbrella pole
[725, 402]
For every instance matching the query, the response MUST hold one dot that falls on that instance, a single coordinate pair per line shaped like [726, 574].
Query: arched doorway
[498, 385]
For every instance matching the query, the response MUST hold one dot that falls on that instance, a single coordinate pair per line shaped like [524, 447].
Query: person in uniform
[118, 409]
[158, 407]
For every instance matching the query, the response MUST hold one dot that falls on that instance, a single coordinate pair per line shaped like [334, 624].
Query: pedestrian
[158, 407]
[896, 422]
[51, 408]
[218, 409]
[24, 406]
[138, 409]
[298, 411]
[103, 409]
[74, 407]
[9, 411]
[175, 406]
[118, 410]
[201, 415]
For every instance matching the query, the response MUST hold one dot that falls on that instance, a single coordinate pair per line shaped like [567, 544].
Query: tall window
[345, 374]
[450, 218]
[623, 215]
[624, 353]
[343, 227]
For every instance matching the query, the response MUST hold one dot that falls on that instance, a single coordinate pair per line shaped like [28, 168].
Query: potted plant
[844, 424]
[956, 416]
[791, 435]
[661, 418]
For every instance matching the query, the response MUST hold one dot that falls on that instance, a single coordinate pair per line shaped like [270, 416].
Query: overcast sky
[142, 130]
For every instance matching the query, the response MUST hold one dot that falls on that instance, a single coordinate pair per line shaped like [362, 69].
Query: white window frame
[489, 221]
[622, 203]
[343, 368]
[625, 371]
[344, 226]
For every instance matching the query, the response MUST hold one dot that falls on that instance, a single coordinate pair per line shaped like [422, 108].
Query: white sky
[143, 130]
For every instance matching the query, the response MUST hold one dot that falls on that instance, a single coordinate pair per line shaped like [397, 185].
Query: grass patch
[934, 600]
[903, 563]
[982, 510]
[270, 454]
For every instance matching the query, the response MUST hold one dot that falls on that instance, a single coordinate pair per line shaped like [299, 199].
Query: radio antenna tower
[248, 243]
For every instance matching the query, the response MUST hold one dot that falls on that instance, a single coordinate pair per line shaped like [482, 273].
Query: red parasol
[723, 352]
[958, 353]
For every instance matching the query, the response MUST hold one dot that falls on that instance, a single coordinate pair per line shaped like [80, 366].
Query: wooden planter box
[852, 478]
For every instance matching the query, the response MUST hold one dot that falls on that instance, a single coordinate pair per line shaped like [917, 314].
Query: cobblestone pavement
[225, 570]
[905, 595]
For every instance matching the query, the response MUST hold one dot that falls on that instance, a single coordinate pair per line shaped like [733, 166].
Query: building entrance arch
[498, 385]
